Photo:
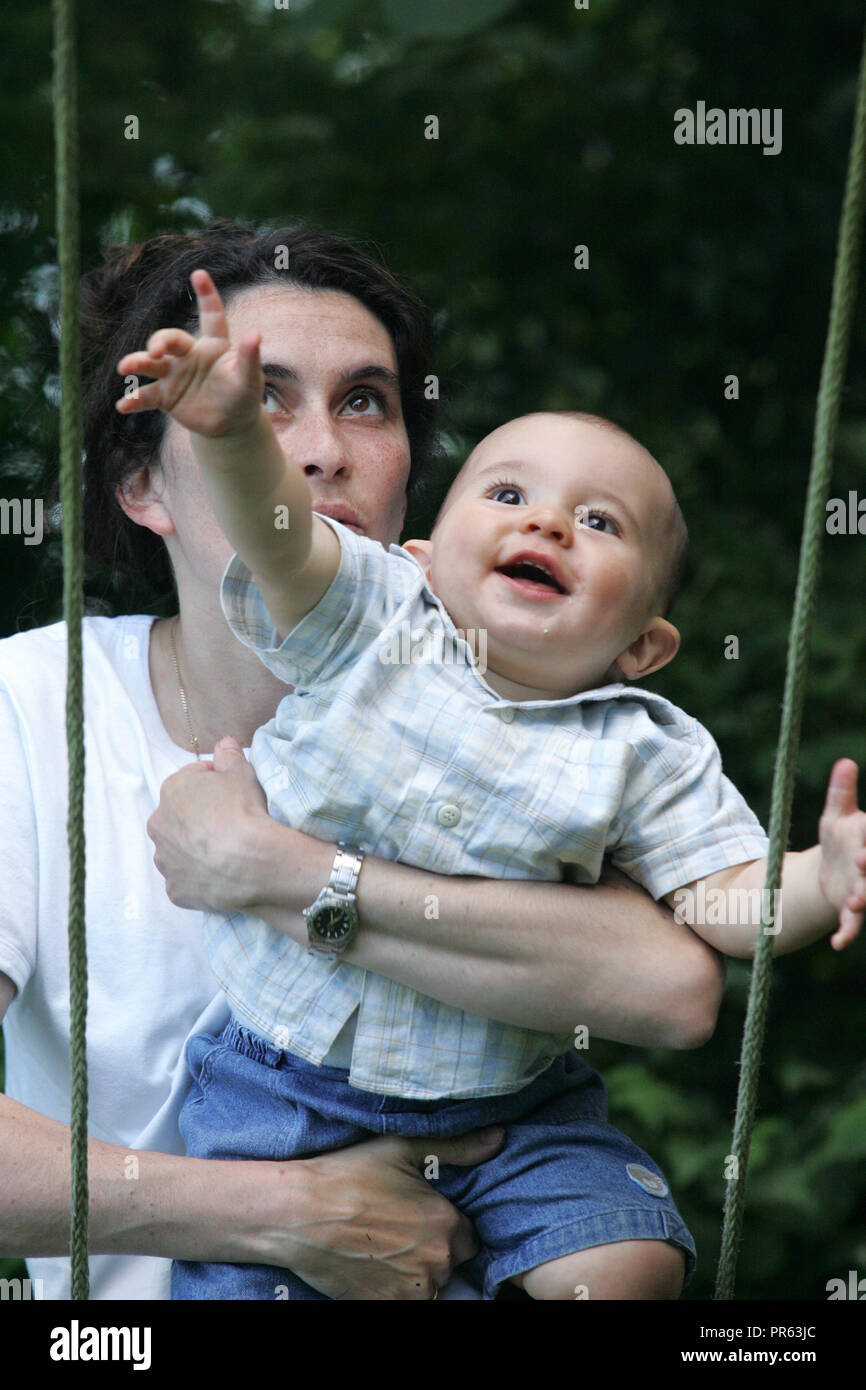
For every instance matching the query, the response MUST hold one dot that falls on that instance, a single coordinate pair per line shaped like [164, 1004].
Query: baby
[561, 541]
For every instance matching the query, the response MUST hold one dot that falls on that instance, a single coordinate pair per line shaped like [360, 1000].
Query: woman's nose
[317, 449]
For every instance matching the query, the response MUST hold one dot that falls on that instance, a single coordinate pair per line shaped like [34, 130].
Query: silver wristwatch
[332, 920]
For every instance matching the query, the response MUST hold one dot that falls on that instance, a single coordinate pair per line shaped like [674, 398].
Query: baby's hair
[675, 542]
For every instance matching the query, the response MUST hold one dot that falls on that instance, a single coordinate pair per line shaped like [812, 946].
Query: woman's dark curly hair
[142, 288]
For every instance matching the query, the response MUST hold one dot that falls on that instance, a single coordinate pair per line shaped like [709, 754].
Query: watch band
[347, 867]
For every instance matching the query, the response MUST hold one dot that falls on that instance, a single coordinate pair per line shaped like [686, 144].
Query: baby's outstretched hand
[204, 383]
[842, 835]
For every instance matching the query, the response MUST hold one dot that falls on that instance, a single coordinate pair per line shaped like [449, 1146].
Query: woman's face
[333, 394]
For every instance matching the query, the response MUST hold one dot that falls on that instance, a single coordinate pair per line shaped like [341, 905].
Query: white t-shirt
[150, 984]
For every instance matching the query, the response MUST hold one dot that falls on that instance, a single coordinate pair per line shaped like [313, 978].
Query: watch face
[332, 923]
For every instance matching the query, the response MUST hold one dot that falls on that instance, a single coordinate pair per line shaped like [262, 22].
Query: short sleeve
[18, 853]
[369, 587]
[681, 818]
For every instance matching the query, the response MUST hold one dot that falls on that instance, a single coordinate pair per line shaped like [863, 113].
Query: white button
[506, 715]
[448, 814]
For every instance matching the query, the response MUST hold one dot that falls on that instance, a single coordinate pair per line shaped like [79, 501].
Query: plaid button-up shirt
[419, 760]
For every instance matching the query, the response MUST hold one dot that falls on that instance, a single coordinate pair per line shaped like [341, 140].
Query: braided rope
[66, 186]
[826, 420]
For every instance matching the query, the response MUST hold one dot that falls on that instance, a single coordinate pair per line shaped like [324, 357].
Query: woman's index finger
[211, 311]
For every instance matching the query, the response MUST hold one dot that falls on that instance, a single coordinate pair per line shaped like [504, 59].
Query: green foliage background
[556, 129]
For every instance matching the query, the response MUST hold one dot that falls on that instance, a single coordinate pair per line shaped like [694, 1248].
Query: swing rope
[832, 377]
[824, 438]
[66, 193]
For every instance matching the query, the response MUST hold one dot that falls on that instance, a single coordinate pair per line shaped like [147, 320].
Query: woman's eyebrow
[278, 372]
[371, 371]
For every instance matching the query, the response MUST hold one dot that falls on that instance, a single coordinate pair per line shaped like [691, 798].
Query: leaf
[764, 1133]
[635, 1091]
[444, 19]
[846, 1137]
[783, 1187]
[798, 1074]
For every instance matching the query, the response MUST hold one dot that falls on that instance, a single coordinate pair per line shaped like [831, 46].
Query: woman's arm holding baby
[362, 1223]
[548, 956]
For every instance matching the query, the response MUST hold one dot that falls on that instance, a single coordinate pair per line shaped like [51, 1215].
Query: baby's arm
[820, 888]
[215, 391]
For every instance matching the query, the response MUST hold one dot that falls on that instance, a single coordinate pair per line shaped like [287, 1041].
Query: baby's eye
[590, 517]
[360, 401]
[508, 494]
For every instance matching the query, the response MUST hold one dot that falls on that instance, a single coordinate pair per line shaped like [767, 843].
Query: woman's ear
[140, 497]
[654, 648]
[422, 551]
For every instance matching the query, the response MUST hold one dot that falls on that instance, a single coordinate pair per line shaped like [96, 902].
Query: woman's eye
[271, 401]
[361, 402]
[504, 492]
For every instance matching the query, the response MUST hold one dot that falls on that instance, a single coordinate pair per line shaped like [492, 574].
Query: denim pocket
[202, 1050]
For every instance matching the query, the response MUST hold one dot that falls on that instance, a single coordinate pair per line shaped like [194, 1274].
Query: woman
[349, 353]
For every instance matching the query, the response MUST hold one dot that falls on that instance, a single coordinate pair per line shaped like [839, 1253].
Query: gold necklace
[183, 699]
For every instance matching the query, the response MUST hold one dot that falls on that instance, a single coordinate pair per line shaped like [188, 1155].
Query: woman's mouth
[339, 511]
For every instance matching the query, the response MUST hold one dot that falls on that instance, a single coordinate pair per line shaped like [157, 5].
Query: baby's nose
[551, 521]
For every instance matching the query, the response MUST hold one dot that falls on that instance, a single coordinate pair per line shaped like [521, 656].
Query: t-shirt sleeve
[368, 588]
[18, 853]
[681, 818]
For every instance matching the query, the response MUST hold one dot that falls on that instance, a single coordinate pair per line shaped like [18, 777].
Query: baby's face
[551, 542]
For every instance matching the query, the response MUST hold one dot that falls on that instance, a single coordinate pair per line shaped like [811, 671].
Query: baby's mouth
[532, 578]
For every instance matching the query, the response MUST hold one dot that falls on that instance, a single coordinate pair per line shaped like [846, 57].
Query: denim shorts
[564, 1179]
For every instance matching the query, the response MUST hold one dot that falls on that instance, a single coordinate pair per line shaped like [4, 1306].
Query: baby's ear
[654, 648]
[422, 551]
